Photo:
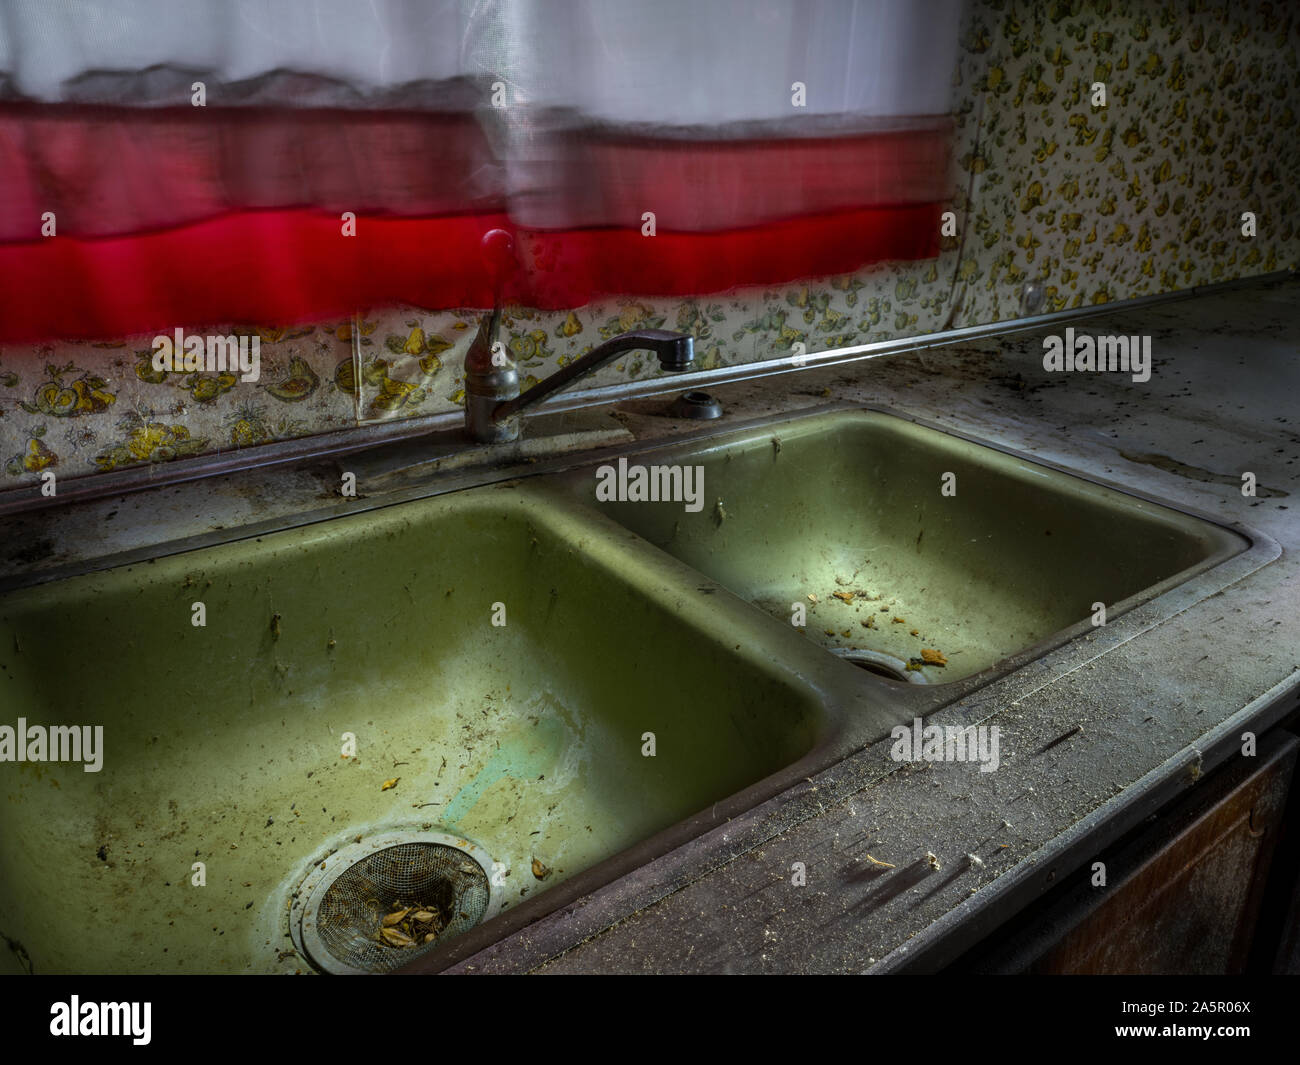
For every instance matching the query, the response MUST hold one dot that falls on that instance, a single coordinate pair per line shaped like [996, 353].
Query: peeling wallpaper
[1098, 204]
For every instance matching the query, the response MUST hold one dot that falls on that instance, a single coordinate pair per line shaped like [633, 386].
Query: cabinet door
[1183, 892]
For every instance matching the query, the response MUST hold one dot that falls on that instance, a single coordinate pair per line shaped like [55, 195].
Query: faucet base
[483, 428]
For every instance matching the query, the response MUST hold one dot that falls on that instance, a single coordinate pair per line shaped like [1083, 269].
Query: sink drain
[430, 887]
[882, 665]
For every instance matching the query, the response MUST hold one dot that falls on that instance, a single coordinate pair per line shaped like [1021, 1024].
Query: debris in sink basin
[812, 598]
[393, 938]
[389, 784]
[929, 657]
[539, 870]
[870, 623]
[410, 925]
[899, 621]
[845, 597]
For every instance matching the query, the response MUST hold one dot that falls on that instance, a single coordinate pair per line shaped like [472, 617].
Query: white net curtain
[757, 141]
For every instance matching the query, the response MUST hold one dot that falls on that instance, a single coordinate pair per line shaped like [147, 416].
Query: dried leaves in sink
[929, 657]
[411, 925]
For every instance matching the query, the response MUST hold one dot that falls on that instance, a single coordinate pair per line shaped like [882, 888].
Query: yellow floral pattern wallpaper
[1095, 201]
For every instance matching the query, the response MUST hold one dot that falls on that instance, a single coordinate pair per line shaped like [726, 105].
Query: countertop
[1159, 705]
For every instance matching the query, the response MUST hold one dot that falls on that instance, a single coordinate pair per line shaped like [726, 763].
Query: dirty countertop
[1159, 707]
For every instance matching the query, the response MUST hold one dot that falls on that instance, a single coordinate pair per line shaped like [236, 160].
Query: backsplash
[1098, 204]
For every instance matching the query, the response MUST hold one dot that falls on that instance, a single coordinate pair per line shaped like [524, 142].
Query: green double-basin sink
[572, 678]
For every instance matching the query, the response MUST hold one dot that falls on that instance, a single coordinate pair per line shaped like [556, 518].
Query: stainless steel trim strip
[367, 435]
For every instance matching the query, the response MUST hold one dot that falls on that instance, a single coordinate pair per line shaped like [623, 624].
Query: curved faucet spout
[676, 352]
[492, 417]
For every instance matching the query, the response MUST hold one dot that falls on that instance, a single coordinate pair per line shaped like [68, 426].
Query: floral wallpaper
[1096, 203]
[1145, 194]
[86, 408]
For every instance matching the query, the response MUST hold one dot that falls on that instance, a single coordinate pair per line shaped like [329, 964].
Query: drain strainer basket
[337, 917]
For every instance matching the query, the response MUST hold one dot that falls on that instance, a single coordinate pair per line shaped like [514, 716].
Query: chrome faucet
[493, 406]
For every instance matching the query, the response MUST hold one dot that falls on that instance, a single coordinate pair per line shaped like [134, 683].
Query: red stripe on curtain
[108, 172]
[584, 179]
[571, 268]
[114, 171]
[278, 267]
[270, 267]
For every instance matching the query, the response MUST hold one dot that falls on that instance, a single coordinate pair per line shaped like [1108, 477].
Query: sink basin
[224, 744]
[844, 513]
[557, 687]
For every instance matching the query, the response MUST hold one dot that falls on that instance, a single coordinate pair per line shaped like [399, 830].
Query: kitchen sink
[499, 661]
[912, 543]
[557, 683]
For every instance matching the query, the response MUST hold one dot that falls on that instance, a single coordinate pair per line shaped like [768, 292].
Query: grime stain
[1196, 473]
[19, 952]
[524, 755]
[37, 550]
